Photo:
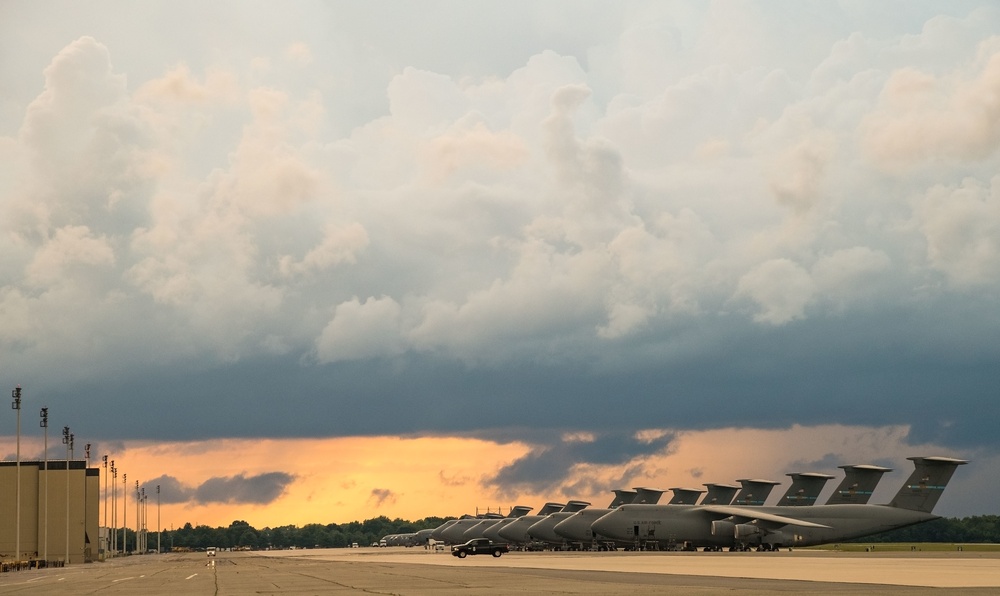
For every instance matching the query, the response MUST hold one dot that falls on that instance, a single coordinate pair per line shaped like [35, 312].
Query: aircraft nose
[606, 526]
[565, 527]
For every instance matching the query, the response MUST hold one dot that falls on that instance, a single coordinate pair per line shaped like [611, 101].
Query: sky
[320, 262]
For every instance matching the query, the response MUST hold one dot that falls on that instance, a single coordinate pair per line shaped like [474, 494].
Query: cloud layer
[319, 224]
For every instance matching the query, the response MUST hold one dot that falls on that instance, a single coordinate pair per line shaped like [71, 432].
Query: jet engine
[744, 531]
[723, 528]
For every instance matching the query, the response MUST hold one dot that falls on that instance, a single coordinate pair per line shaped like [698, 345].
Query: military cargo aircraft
[453, 534]
[576, 529]
[542, 529]
[739, 527]
[516, 532]
[478, 530]
[453, 531]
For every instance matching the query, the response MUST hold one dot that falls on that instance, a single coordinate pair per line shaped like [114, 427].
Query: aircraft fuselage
[693, 525]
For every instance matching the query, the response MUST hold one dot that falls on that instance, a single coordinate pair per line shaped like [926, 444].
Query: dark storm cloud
[257, 490]
[171, 490]
[549, 465]
[571, 488]
[382, 496]
[932, 370]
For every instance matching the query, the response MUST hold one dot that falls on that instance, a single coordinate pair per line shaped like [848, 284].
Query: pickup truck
[479, 546]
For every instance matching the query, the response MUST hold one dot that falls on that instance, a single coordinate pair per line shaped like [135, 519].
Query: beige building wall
[47, 496]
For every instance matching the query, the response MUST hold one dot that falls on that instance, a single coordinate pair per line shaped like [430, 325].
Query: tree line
[975, 529]
[240, 534]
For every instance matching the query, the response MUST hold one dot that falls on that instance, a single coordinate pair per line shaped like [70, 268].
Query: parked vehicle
[479, 546]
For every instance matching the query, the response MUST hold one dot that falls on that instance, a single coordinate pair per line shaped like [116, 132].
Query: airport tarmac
[419, 572]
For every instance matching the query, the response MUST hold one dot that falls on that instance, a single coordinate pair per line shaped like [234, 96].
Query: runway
[412, 572]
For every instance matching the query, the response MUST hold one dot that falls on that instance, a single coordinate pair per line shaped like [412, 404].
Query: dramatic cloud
[558, 219]
[260, 489]
[382, 496]
[547, 468]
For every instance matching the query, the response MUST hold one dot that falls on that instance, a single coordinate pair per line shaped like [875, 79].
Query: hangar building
[48, 493]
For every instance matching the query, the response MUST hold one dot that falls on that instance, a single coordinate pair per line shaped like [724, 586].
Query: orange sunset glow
[338, 480]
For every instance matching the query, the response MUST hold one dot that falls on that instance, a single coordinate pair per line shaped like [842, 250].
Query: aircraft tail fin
[550, 507]
[574, 506]
[805, 488]
[622, 496]
[685, 496]
[519, 511]
[719, 494]
[647, 495]
[858, 484]
[923, 488]
[754, 492]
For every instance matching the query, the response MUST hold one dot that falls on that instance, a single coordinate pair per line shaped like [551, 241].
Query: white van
[210, 551]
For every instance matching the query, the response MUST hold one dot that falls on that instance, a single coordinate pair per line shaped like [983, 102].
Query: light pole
[137, 516]
[145, 529]
[159, 532]
[124, 513]
[68, 441]
[142, 518]
[114, 511]
[107, 531]
[86, 457]
[44, 413]
[16, 405]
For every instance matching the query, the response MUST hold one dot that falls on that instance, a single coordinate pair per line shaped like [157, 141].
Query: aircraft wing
[751, 513]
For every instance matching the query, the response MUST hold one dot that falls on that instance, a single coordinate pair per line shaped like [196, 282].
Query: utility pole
[16, 405]
[159, 532]
[44, 413]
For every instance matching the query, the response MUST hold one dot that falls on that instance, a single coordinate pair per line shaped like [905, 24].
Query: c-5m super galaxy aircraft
[453, 531]
[768, 528]
[516, 532]
[805, 487]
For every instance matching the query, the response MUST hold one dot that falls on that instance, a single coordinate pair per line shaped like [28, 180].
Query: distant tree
[236, 532]
[337, 538]
[247, 539]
